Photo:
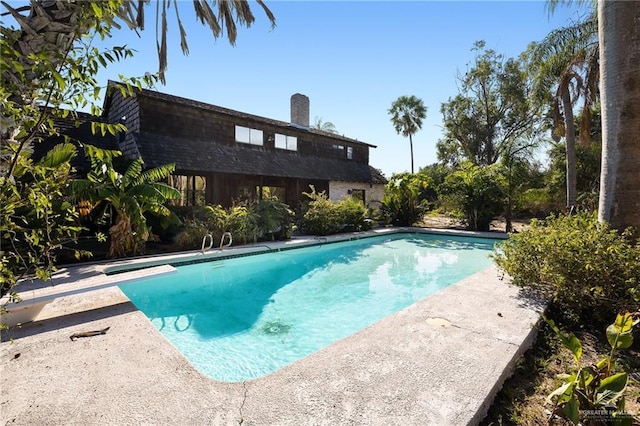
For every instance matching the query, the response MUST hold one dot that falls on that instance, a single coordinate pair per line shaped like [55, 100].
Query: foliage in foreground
[595, 393]
[587, 269]
[36, 218]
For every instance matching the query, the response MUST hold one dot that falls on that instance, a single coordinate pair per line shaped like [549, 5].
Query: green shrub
[351, 214]
[321, 216]
[165, 227]
[404, 202]
[537, 202]
[275, 220]
[190, 238]
[268, 219]
[477, 192]
[588, 270]
[242, 223]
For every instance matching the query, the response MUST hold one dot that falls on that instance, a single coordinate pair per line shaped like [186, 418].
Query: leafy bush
[321, 216]
[587, 269]
[275, 220]
[404, 202]
[37, 220]
[352, 214]
[242, 223]
[537, 202]
[165, 227]
[190, 238]
[267, 219]
[477, 192]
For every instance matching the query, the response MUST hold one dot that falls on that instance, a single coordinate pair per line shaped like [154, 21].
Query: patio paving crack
[244, 399]
[484, 334]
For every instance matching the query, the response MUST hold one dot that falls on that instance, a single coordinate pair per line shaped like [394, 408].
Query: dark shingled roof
[208, 156]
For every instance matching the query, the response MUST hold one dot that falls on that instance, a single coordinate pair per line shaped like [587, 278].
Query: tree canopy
[491, 110]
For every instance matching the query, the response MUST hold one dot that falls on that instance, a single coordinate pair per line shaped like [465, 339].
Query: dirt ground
[448, 222]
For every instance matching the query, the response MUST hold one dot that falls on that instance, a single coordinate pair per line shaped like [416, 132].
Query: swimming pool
[242, 318]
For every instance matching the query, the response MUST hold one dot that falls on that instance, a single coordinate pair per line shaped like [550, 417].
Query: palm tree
[619, 35]
[407, 113]
[325, 126]
[54, 26]
[565, 63]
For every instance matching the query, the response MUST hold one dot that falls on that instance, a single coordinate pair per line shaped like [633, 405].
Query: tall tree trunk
[570, 140]
[411, 145]
[619, 33]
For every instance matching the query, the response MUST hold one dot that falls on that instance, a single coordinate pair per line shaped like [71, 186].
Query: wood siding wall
[224, 188]
[161, 117]
[127, 108]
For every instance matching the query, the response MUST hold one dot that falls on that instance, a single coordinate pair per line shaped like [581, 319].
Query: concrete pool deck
[438, 362]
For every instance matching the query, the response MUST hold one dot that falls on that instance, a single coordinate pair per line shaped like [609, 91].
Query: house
[222, 155]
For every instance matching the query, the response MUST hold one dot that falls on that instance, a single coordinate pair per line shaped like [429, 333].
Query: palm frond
[183, 34]
[59, 154]
[133, 173]
[156, 174]
[224, 13]
[154, 193]
[270, 15]
[167, 192]
[243, 12]
[206, 16]
[162, 44]
[552, 5]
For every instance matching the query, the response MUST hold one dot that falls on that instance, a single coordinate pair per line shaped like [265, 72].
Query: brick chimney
[300, 110]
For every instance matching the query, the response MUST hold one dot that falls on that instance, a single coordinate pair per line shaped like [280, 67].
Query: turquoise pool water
[242, 318]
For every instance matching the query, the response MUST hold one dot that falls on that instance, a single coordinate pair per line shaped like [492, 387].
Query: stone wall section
[373, 193]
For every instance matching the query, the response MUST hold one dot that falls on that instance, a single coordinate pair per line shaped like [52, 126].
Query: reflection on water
[242, 318]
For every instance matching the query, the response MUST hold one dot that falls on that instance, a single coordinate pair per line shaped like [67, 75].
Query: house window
[286, 142]
[250, 136]
[350, 152]
[192, 190]
[358, 194]
[338, 150]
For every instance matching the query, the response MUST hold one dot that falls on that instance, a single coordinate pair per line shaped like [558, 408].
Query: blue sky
[352, 59]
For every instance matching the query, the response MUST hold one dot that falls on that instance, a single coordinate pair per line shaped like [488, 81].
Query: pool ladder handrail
[226, 234]
[204, 240]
